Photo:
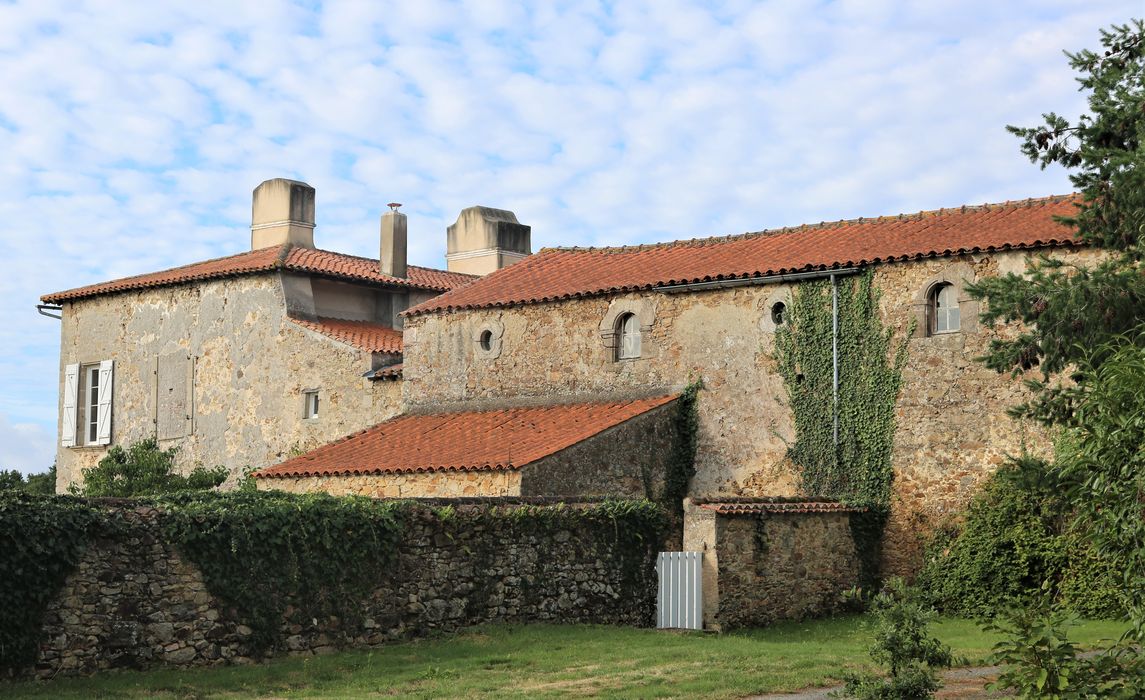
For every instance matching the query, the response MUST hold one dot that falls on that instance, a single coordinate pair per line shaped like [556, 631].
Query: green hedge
[1015, 538]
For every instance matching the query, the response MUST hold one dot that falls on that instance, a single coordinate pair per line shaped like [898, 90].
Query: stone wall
[241, 363]
[953, 430]
[763, 567]
[133, 602]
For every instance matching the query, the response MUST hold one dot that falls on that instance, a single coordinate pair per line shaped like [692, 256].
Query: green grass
[542, 661]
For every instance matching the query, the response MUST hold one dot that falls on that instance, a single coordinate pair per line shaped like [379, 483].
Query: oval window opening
[778, 313]
[486, 340]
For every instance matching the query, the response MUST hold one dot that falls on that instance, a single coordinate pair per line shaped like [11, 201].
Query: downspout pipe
[835, 354]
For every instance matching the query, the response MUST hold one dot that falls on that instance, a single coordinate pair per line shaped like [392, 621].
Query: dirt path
[958, 684]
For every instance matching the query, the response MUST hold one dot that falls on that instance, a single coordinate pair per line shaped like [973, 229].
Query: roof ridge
[374, 260]
[725, 238]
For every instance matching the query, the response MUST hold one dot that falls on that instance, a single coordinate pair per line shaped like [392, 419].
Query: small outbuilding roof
[491, 440]
[564, 273]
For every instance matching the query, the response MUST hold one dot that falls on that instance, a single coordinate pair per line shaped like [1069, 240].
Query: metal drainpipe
[835, 354]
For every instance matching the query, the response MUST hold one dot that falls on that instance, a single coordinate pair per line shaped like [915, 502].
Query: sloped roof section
[364, 335]
[563, 273]
[285, 257]
[772, 507]
[495, 440]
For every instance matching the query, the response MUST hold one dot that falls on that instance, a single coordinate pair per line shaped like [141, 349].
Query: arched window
[943, 308]
[628, 337]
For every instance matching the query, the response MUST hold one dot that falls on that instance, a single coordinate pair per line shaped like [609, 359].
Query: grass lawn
[542, 661]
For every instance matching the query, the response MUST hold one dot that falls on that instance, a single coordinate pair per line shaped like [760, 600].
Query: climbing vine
[682, 459]
[41, 541]
[857, 467]
[275, 556]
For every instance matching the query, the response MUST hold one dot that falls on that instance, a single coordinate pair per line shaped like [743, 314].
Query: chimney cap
[394, 205]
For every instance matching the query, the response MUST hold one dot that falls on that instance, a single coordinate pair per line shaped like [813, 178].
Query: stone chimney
[485, 239]
[282, 212]
[393, 252]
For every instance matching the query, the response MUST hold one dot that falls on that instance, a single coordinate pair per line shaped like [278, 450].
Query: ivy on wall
[682, 460]
[264, 554]
[857, 468]
[41, 541]
[278, 561]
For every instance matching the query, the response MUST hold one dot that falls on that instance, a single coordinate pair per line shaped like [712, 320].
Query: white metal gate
[679, 602]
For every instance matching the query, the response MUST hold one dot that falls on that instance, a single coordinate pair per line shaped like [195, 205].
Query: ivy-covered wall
[202, 580]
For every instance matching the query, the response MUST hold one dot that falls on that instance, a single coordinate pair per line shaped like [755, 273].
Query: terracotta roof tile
[387, 372]
[773, 507]
[286, 257]
[493, 440]
[365, 335]
[563, 273]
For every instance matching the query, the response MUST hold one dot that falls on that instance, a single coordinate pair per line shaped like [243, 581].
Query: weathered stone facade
[239, 363]
[134, 602]
[760, 568]
[953, 430]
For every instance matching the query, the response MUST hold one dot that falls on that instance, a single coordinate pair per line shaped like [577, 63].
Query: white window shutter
[71, 394]
[103, 416]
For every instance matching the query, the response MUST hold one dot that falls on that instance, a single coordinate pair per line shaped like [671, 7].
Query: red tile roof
[387, 372]
[756, 507]
[494, 440]
[563, 273]
[365, 335]
[285, 257]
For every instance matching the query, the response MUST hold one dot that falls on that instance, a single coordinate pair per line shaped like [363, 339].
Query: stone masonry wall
[953, 430]
[133, 602]
[440, 484]
[247, 369]
[782, 566]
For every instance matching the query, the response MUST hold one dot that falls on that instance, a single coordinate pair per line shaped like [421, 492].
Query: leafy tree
[1068, 310]
[1085, 327]
[144, 470]
[13, 480]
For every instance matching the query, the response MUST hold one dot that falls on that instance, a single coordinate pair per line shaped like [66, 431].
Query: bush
[904, 646]
[1017, 535]
[144, 470]
[1040, 661]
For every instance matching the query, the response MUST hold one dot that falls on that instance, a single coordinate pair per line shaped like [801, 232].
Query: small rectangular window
[310, 404]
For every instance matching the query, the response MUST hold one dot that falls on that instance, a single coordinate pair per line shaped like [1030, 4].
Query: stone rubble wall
[134, 602]
[778, 566]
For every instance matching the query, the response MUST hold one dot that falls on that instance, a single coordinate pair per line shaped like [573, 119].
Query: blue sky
[133, 133]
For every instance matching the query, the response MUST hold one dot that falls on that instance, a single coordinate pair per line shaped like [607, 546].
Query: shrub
[904, 646]
[1017, 535]
[144, 470]
[12, 480]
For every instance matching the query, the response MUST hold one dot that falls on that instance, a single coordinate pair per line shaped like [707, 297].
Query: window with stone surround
[310, 403]
[628, 337]
[943, 313]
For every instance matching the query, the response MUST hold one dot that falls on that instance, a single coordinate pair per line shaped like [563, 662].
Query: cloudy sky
[132, 133]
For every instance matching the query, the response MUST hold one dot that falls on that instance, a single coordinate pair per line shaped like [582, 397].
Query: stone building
[244, 360]
[552, 374]
[575, 326]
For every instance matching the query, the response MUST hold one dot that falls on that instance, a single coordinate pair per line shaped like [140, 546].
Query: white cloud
[132, 137]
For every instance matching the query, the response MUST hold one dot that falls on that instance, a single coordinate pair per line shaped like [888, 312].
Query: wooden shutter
[71, 394]
[103, 414]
